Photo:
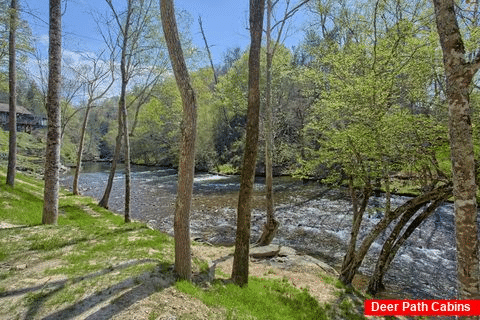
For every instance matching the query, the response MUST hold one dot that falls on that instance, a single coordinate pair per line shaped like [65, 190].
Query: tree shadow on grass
[20, 227]
[140, 286]
[136, 289]
[56, 243]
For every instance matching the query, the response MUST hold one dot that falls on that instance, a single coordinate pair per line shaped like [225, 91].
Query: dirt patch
[170, 304]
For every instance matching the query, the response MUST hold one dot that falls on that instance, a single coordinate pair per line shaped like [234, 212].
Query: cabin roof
[4, 107]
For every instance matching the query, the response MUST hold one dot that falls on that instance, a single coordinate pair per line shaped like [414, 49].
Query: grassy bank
[44, 269]
[31, 148]
[93, 265]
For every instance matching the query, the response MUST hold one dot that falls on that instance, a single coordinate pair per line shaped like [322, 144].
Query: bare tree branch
[208, 49]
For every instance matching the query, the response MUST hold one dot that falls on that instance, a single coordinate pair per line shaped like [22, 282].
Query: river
[313, 220]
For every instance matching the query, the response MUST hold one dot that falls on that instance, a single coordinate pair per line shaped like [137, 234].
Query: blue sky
[224, 21]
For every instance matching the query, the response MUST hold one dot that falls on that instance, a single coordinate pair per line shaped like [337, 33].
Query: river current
[313, 220]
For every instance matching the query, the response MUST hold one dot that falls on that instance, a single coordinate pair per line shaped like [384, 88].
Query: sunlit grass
[261, 299]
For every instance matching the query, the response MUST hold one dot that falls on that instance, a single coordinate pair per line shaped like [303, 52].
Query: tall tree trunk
[12, 83]
[271, 226]
[52, 154]
[126, 142]
[459, 75]
[242, 240]
[358, 212]
[123, 110]
[80, 149]
[186, 170]
[92, 82]
[116, 156]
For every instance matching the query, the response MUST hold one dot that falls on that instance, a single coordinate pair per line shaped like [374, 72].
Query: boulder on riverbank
[269, 251]
[287, 258]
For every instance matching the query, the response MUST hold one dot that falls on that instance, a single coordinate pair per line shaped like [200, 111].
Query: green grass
[261, 299]
[202, 264]
[20, 205]
[30, 150]
[347, 310]
[332, 281]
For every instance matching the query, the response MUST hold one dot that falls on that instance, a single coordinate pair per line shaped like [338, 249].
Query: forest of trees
[377, 93]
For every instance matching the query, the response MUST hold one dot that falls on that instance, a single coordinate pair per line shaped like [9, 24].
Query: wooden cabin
[26, 121]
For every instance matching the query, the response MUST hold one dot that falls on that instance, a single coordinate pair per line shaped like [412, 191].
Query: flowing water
[313, 220]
